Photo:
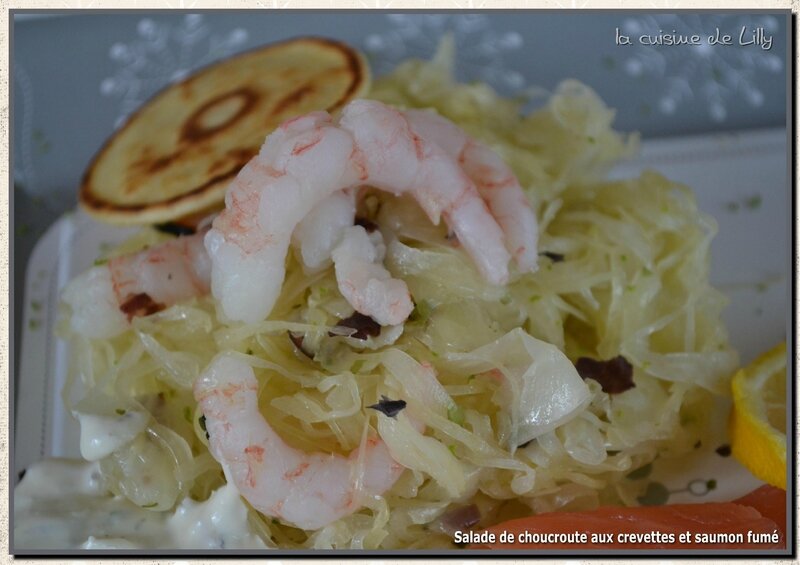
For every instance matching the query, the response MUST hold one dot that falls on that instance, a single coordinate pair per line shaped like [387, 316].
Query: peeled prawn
[105, 298]
[322, 229]
[495, 181]
[308, 490]
[364, 281]
[265, 202]
[308, 159]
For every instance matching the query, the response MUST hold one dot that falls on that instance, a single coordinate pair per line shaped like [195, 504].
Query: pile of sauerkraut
[624, 272]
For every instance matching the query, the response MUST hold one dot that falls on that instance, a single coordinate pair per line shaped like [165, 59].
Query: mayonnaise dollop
[63, 504]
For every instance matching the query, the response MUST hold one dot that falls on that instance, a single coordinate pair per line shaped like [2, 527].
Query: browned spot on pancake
[200, 124]
[95, 203]
[242, 155]
[147, 165]
[218, 166]
[354, 69]
[234, 158]
[140, 305]
[161, 163]
[292, 99]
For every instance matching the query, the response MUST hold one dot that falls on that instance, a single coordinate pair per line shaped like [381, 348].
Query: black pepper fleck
[724, 450]
[364, 326]
[554, 257]
[175, 229]
[389, 407]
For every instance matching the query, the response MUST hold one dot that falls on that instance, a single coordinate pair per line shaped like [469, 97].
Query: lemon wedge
[758, 420]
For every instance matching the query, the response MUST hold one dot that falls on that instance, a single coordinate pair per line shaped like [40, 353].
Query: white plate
[740, 179]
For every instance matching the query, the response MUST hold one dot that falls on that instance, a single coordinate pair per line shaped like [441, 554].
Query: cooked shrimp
[495, 181]
[321, 231]
[327, 234]
[309, 158]
[265, 202]
[364, 281]
[392, 156]
[308, 490]
[106, 297]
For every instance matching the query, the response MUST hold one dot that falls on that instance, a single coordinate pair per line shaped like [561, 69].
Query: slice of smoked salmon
[654, 527]
[770, 502]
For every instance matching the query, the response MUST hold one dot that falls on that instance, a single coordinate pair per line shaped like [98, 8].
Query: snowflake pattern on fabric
[715, 75]
[164, 53]
[480, 46]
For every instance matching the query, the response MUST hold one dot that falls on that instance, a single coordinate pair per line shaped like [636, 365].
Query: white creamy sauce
[62, 504]
[102, 435]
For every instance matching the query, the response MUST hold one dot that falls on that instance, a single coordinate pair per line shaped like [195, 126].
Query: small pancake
[177, 154]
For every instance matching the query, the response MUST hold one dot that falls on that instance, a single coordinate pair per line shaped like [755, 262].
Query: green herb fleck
[36, 306]
[506, 300]
[357, 366]
[762, 287]
[630, 287]
[455, 414]
[732, 206]
[452, 448]
[655, 495]
[98, 262]
[187, 414]
[623, 257]
[591, 139]
[753, 203]
[34, 324]
[151, 505]
[640, 473]
[24, 229]
[276, 522]
[609, 63]
[534, 298]
[249, 351]
[120, 411]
